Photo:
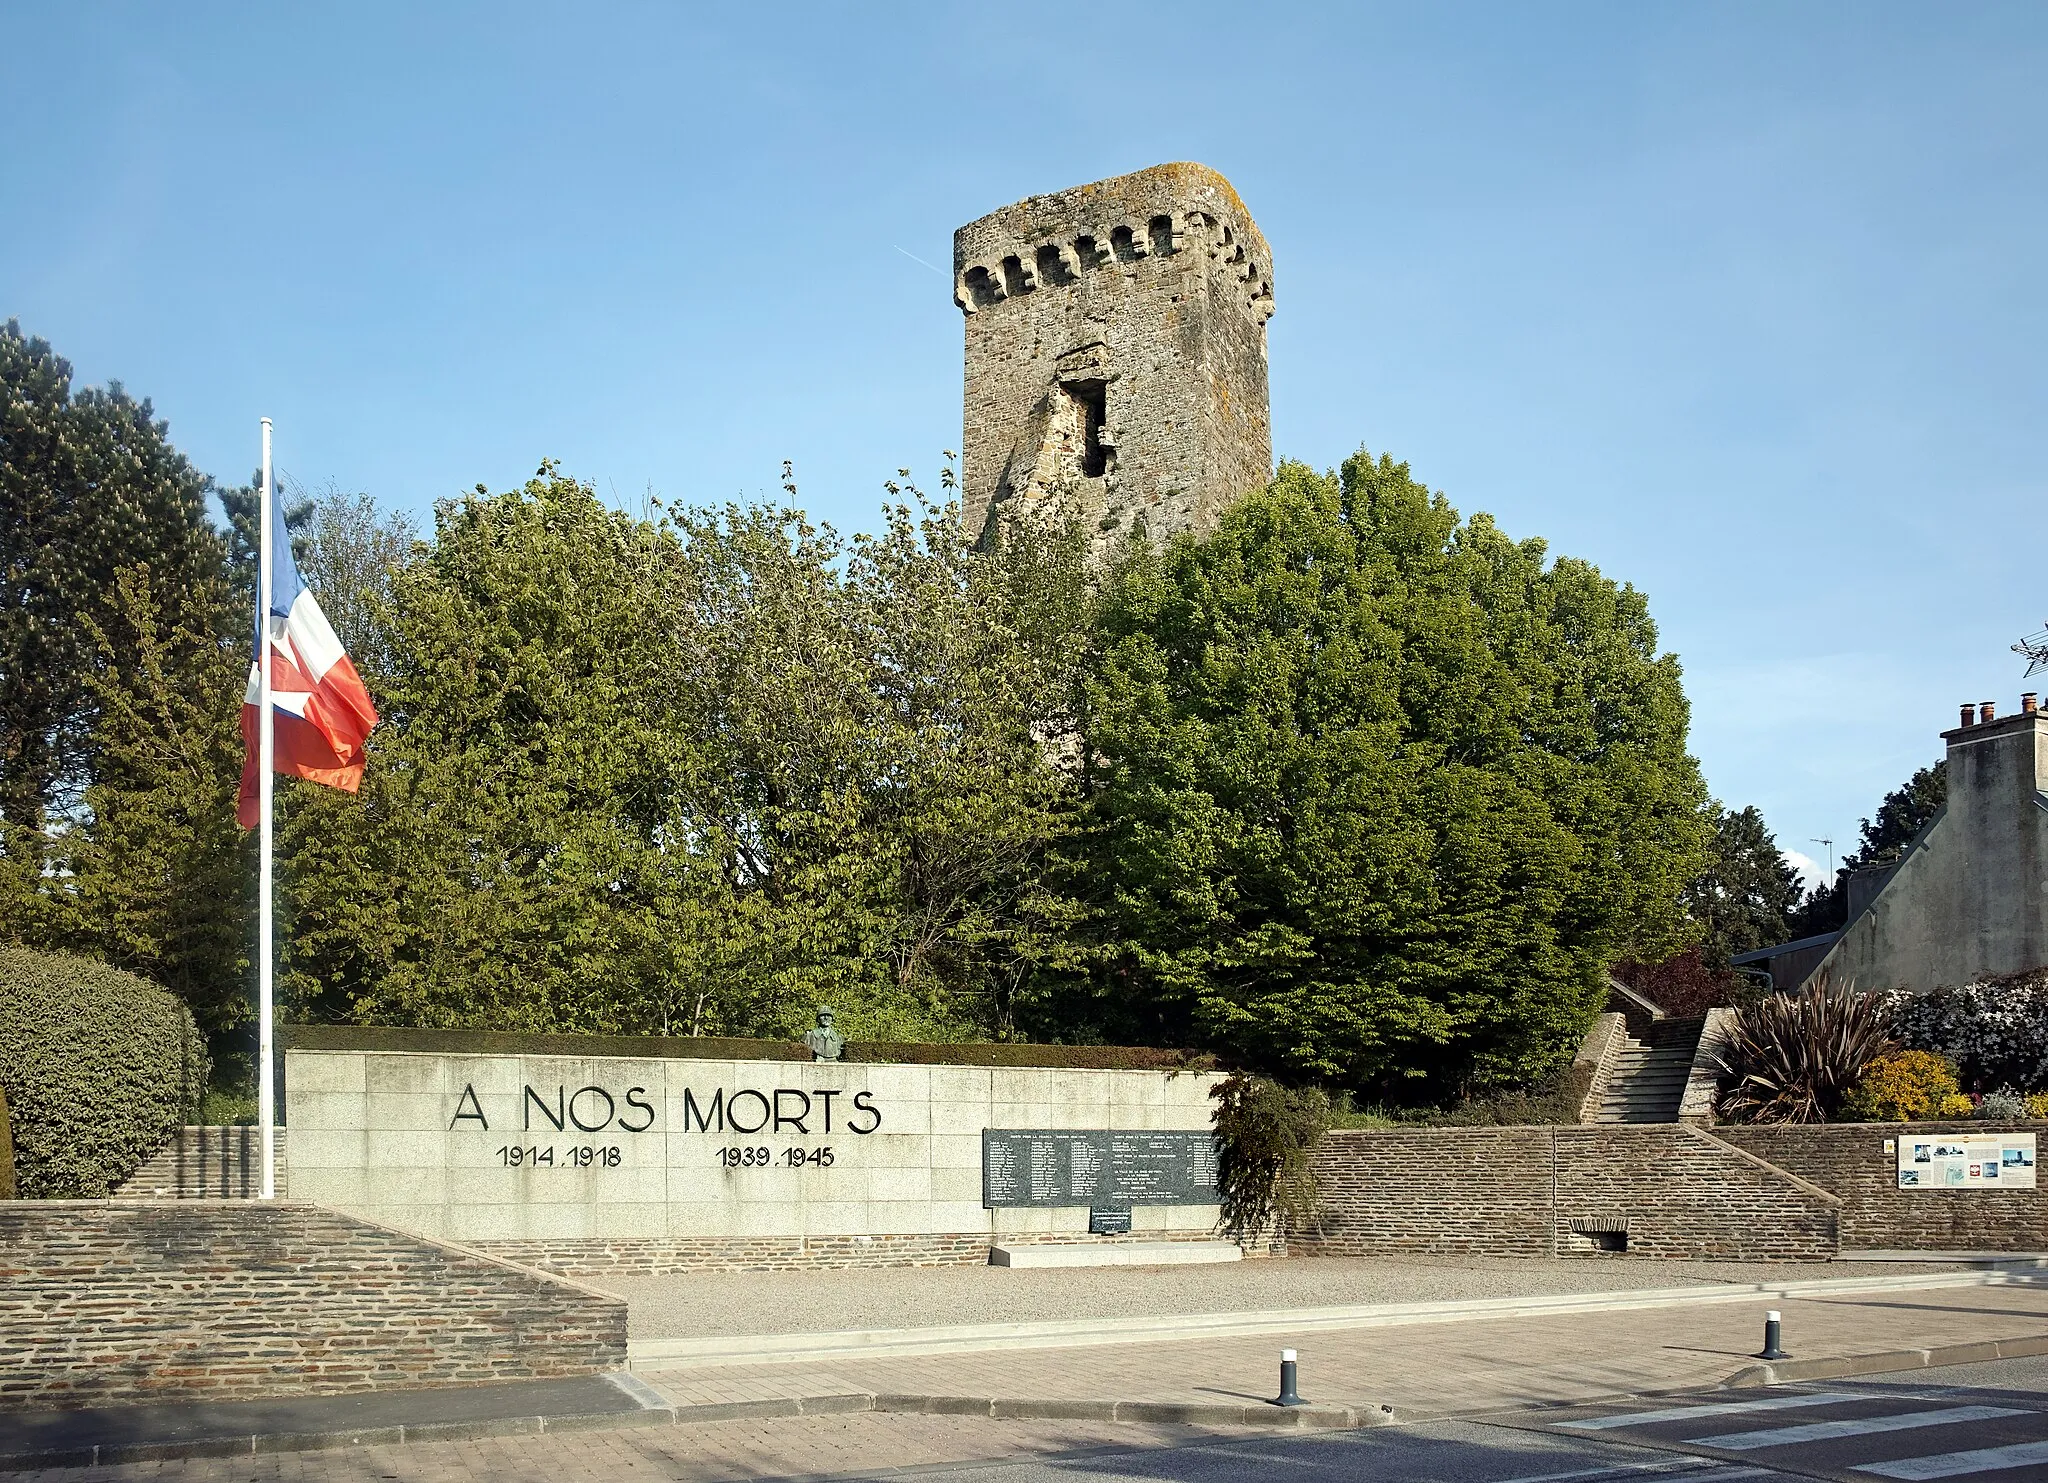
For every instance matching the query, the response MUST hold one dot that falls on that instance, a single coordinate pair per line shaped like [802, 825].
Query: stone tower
[1116, 348]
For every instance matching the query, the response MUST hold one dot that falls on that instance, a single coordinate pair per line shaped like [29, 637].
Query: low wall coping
[995, 1055]
[1806, 1185]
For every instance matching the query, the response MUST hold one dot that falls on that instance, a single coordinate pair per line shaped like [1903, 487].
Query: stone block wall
[1680, 1192]
[111, 1302]
[672, 1160]
[1849, 1159]
[1657, 1190]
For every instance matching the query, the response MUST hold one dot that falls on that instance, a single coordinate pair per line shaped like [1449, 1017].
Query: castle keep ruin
[1116, 349]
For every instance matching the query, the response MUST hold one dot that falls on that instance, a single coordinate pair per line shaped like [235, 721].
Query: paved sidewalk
[1468, 1368]
[703, 1304]
[719, 1452]
[1463, 1367]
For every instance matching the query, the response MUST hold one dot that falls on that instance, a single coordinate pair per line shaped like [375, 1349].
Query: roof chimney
[1986, 711]
[1969, 716]
[2027, 705]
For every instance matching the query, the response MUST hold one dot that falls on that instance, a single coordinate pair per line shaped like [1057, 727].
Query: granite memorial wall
[524, 1148]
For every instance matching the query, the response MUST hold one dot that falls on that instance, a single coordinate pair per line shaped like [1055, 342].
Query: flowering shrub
[2002, 1106]
[2037, 1105]
[1996, 1032]
[1958, 1105]
[1903, 1085]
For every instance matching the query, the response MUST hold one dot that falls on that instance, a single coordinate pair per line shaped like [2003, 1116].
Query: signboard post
[1984, 1161]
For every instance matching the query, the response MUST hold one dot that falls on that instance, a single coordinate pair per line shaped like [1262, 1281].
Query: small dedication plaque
[1966, 1161]
[1109, 1221]
[1099, 1169]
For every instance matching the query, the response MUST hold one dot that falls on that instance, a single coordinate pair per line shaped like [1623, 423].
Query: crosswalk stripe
[1719, 1408]
[1957, 1464]
[1828, 1431]
[1677, 1469]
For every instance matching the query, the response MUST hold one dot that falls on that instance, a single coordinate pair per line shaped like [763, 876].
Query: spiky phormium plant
[1792, 1058]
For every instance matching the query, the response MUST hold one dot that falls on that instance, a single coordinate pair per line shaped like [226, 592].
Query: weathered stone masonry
[1850, 1160]
[1659, 1190]
[111, 1302]
[1116, 350]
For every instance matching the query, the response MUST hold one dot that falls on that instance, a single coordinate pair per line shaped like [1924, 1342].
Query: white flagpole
[266, 1074]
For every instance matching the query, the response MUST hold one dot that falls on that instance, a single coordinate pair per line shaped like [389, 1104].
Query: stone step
[206, 1163]
[1113, 1253]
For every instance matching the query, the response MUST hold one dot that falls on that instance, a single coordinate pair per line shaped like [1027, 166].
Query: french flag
[321, 710]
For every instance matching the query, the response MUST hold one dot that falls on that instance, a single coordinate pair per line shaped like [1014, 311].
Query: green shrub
[1265, 1134]
[1900, 1086]
[99, 1068]
[6, 1151]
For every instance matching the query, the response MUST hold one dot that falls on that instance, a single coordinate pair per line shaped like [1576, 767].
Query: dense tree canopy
[1351, 790]
[1749, 892]
[1376, 794]
[694, 775]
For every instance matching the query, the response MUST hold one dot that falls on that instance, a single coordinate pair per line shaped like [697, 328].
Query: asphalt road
[1979, 1422]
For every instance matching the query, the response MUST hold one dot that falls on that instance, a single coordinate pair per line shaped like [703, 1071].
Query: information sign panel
[1096, 1167]
[1966, 1160]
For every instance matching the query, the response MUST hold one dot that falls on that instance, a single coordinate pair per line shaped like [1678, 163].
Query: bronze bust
[825, 1042]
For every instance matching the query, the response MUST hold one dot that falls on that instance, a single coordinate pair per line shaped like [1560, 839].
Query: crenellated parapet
[1065, 260]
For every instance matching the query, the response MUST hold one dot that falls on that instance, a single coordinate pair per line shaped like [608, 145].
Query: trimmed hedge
[99, 1069]
[706, 1048]
[6, 1151]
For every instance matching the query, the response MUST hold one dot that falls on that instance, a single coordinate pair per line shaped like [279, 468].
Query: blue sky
[1741, 302]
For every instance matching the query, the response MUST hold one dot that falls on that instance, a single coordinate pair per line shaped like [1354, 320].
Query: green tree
[1748, 893]
[349, 552]
[1377, 795]
[697, 775]
[160, 880]
[1901, 815]
[500, 866]
[89, 486]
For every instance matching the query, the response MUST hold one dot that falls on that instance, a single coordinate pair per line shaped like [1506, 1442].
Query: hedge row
[99, 1069]
[683, 1047]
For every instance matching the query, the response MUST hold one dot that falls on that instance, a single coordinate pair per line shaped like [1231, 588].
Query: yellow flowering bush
[2037, 1105]
[1902, 1085]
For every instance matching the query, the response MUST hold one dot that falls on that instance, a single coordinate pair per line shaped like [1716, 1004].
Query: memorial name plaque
[1091, 1167]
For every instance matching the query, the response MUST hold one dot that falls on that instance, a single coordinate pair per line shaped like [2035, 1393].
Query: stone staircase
[206, 1163]
[1646, 1082]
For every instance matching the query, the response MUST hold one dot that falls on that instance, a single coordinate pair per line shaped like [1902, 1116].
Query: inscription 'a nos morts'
[595, 1109]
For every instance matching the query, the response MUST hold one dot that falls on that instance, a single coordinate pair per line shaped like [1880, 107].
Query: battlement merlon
[1053, 240]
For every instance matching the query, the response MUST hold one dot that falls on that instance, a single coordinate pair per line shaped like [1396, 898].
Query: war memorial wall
[529, 1151]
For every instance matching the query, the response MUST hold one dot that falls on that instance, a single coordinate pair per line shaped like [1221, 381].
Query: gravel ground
[705, 1303]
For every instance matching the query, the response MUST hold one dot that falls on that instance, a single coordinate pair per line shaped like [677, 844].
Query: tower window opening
[1092, 398]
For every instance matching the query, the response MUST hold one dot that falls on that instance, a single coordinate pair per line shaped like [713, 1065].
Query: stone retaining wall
[1660, 1191]
[111, 1302]
[1849, 1159]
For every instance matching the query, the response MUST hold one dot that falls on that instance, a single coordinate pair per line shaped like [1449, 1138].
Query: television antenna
[1823, 839]
[2035, 647]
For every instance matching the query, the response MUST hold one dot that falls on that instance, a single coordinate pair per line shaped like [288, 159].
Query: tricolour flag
[321, 710]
